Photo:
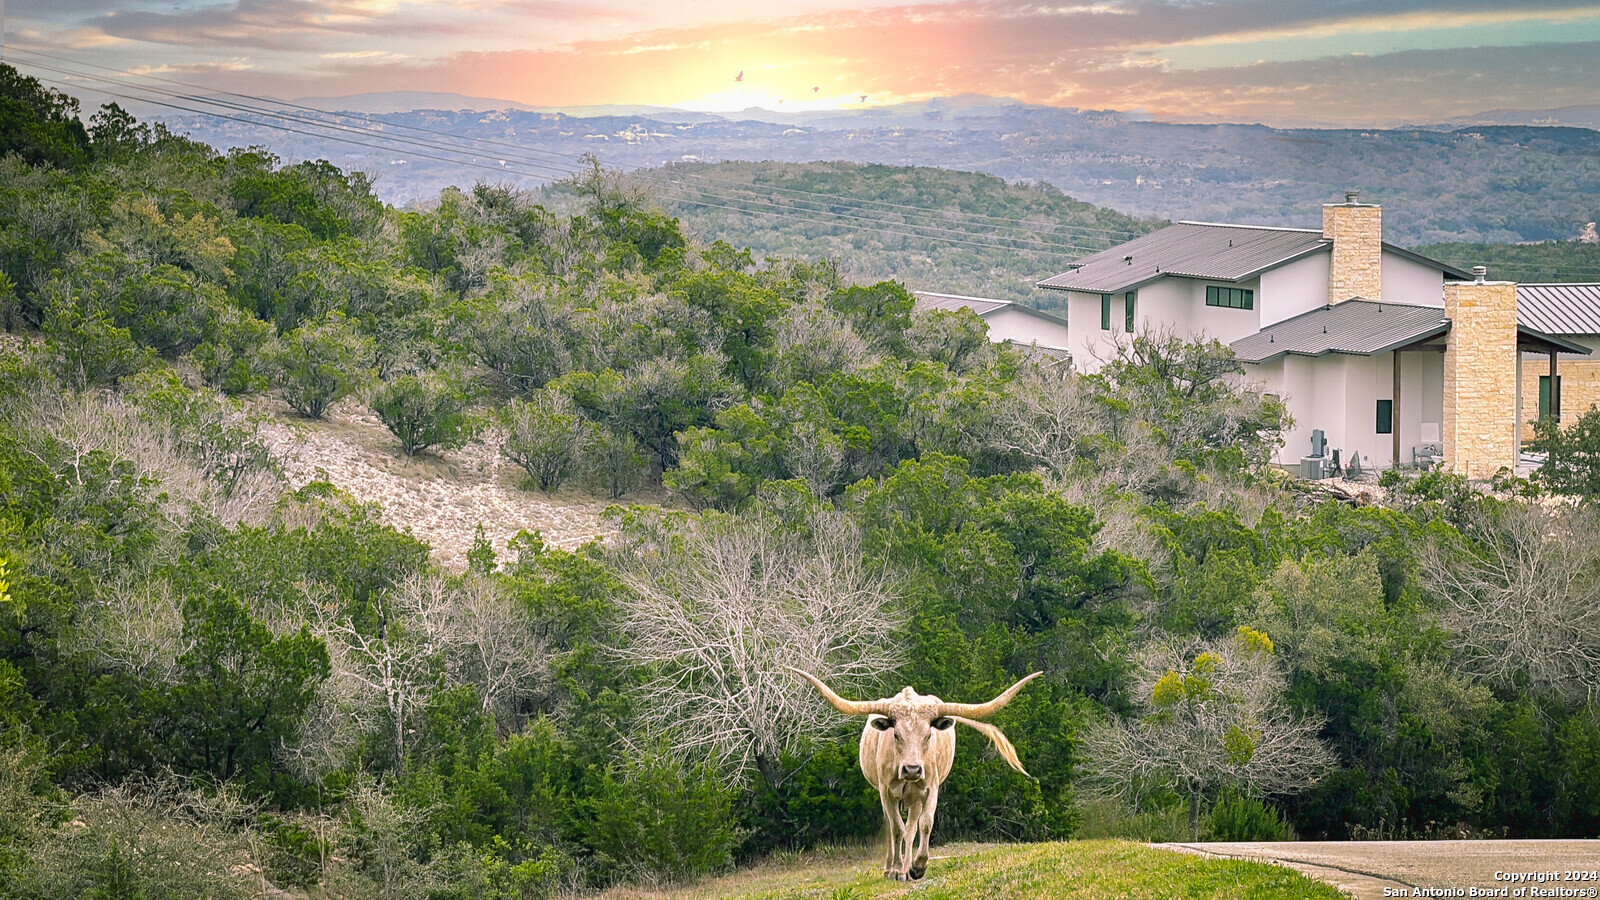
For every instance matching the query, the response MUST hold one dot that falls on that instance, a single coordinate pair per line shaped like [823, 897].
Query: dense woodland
[213, 685]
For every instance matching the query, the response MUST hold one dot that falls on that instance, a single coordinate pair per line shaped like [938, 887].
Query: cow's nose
[910, 773]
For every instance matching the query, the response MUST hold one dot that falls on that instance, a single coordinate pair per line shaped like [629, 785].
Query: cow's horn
[848, 707]
[985, 710]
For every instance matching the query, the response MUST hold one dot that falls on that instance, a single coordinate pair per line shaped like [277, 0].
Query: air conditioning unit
[1312, 468]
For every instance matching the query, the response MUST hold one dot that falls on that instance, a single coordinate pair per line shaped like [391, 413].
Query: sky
[1358, 62]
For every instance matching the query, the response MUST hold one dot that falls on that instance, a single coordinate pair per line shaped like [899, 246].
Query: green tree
[321, 364]
[543, 437]
[430, 411]
[241, 690]
[38, 123]
[1572, 466]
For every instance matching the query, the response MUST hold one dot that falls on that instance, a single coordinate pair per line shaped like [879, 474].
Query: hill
[931, 229]
[1545, 261]
[1473, 183]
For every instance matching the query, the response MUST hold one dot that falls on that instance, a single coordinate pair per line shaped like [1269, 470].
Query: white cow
[907, 749]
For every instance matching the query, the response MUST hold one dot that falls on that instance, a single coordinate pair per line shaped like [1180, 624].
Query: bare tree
[717, 606]
[436, 631]
[1520, 597]
[136, 626]
[1214, 716]
[811, 342]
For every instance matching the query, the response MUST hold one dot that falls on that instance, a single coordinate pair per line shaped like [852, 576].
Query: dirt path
[442, 497]
[1366, 869]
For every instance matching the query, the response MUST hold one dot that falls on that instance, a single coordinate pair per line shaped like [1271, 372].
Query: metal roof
[1360, 327]
[1559, 308]
[1204, 250]
[1367, 328]
[1191, 250]
[927, 301]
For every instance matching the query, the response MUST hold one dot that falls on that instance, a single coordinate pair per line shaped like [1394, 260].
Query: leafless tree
[811, 341]
[463, 632]
[717, 606]
[1214, 715]
[134, 625]
[1520, 597]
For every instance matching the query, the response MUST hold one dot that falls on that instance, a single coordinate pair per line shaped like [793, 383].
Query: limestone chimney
[1356, 230]
[1480, 377]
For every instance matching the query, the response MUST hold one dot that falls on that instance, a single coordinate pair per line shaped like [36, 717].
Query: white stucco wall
[1007, 324]
[1298, 287]
[1339, 394]
[1405, 281]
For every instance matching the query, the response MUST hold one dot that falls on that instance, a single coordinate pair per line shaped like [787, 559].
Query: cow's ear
[944, 723]
[882, 723]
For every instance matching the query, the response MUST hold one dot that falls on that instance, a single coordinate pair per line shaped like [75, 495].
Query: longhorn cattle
[907, 748]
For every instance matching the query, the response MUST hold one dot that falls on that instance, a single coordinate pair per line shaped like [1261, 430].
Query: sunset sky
[1378, 61]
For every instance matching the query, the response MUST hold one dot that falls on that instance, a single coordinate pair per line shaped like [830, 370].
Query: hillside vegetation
[1560, 261]
[930, 229]
[222, 675]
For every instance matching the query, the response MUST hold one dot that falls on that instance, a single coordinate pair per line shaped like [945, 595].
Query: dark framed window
[1230, 298]
[1544, 396]
[1105, 312]
[1386, 417]
[1128, 300]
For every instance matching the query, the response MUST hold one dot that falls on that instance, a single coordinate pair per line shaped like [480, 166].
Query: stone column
[1356, 269]
[1480, 377]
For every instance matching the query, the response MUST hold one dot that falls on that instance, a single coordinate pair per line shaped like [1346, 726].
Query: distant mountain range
[1504, 176]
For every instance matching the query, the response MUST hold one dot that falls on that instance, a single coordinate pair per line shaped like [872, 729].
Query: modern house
[1008, 322]
[1391, 355]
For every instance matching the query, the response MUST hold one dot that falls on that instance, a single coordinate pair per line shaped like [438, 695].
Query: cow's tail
[998, 738]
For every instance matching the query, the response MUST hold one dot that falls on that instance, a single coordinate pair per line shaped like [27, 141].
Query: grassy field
[1078, 869]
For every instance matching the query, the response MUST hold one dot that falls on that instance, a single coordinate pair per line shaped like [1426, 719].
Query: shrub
[424, 412]
[543, 437]
[656, 817]
[1241, 817]
[236, 351]
[86, 348]
[320, 364]
[614, 462]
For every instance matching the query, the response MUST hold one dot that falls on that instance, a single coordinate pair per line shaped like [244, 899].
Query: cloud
[1249, 59]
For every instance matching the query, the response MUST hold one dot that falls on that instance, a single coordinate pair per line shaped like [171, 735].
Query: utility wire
[971, 240]
[1081, 231]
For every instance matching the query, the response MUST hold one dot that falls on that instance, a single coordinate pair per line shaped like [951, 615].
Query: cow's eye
[883, 724]
[944, 723]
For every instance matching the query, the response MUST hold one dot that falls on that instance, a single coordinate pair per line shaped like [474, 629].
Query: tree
[1214, 717]
[39, 124]
[1519, 596]
[543, 436]
[240, 690]
[321, 364]
[427, 411]
[716, 607]
[1572, 465]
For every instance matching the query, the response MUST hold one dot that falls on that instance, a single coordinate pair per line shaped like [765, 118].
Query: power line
[858, 203]
[970, 240]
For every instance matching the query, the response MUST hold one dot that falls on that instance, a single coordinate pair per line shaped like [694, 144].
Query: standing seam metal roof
[1367, 327]
[1559, 308]
[1189, 249]
[981, 306]
[1360, 327]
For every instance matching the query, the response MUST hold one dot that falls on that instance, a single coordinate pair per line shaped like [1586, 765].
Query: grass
[1076, 869]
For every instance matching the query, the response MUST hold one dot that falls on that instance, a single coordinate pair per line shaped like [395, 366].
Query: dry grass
[440, 498]
[1081, 870]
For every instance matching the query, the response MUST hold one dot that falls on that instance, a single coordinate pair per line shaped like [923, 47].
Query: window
[1105, 312]
[1545, 409]
[1386, 417]
[1231, 298]
[1128, 300]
